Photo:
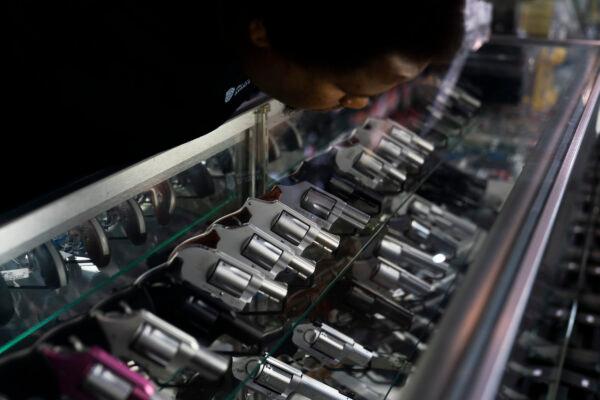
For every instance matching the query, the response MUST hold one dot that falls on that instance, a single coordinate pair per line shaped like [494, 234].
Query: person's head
[328, 54]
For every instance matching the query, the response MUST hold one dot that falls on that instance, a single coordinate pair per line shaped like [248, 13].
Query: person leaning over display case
[92, 86]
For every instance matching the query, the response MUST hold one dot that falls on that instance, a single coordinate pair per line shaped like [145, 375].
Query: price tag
[16, 274]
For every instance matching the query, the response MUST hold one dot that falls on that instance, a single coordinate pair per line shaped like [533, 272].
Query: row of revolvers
[548, 356]
[282, 248]
[203, 283]
[398, 284]
[88, 241]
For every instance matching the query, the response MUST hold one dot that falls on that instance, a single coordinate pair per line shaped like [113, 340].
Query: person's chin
[290, 108]
[326, 109]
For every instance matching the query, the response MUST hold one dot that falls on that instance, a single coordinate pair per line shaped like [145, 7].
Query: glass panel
[74, 271]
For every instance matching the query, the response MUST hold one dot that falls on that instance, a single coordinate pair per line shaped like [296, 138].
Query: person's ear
[258, 34]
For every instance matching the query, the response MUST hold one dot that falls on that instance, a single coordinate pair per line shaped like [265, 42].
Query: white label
[89, 267]
[15, 274]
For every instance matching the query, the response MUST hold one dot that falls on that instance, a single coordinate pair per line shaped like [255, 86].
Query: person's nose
[354, 102]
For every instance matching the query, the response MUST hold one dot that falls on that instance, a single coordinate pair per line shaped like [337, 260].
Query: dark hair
[345, 34]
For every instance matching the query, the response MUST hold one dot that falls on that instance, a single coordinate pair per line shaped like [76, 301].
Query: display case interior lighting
[439, 258]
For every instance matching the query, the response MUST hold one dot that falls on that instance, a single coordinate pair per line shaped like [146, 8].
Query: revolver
[430, 238]
[401, 133]
[132, 219]
[95, 374]
[158, 346]
[388, 276]
[162, 197]
[368, 169]
[458, 227]
[331, 347]
[250, 245]
[223, 277]
[284, 223]
[357, 297]
[191, 312]
[278, 380]
[398, 252]
[321, 172]
[392, 150]
[318, 205]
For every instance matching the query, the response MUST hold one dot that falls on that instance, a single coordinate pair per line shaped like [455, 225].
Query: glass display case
[376, 254]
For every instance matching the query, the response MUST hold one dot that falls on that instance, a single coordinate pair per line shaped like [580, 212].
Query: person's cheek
[353, 102]
[325, 96]
[296, 87]
[306, 91]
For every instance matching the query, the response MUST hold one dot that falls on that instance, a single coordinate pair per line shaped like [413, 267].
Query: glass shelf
[36, 309]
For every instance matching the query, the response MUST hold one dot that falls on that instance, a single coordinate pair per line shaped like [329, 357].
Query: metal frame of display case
[466, 359]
